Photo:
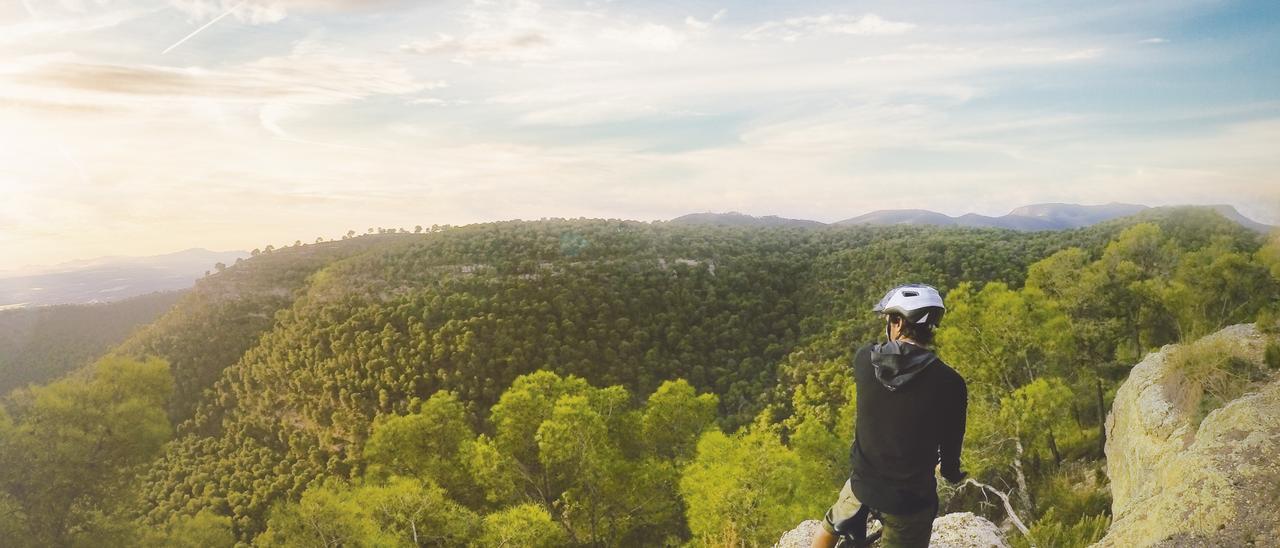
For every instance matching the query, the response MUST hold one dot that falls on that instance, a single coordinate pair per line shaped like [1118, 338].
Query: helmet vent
[910, 294]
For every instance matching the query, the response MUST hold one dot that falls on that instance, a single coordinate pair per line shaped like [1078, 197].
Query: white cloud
[614, 109]
[1079, 55]
[698, 24]
[258, 12]
[1154, 40]
[514, 30]
[795, 28]
[311, 74]
[516, 46]
[527, 31]
[53, 21]
[75, 99]
[644, 37]
[936, 59]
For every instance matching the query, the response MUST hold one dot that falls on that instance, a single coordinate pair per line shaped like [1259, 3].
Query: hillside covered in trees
[40, 344]
[600, 383]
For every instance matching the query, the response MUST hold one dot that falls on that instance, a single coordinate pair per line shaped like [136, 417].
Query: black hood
[897, 363]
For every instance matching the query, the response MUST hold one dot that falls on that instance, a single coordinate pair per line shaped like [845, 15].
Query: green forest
[602, 383]
[38, 345]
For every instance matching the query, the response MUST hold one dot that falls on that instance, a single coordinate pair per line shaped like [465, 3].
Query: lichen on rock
[964, 530]
[1179, 481]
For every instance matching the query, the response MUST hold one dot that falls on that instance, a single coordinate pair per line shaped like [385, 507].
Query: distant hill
[1049, 216]
[1030, 217]
[901, 217]
[40, 344]
[733, 218]
[1231, 213]
[108, 278]
[1075, 215]
[1052, 216]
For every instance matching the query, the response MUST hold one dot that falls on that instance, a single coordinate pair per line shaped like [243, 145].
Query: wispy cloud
[60, 21]
[611, 109]
[1080, 55]
[308, 75]
[927, 59]
[695, 23]
[259, 12]
[515, 30]
[504, 47]
[211, 22]
[276, 93]
[795, 28]
[528, 31]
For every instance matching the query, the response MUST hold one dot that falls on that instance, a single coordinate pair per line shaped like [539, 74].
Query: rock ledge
[957, 530]
[1176, 483]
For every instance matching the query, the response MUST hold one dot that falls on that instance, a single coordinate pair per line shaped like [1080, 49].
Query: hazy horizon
[33, 268]
[140, 127]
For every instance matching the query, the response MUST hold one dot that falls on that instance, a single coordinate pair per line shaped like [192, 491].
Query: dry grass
[1218, 370]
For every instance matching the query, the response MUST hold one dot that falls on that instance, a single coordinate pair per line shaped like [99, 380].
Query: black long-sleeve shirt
[901, 433]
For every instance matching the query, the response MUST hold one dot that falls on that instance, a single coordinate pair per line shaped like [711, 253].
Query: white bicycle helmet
[918, 303]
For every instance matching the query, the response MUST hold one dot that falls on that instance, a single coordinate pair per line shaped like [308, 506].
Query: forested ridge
[601, 382]
[40, 344]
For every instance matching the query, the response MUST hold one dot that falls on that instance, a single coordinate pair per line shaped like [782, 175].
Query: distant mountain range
[114, 278]
[733, 218]
[108, 278]
[1051, 216]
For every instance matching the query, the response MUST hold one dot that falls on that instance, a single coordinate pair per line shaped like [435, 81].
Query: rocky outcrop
[964, 530]
[958, 530]
[1176, 482]
[801, 536]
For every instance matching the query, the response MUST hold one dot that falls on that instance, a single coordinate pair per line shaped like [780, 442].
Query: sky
[137, 127]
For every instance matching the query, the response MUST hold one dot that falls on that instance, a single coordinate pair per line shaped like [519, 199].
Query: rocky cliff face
[958, 530]
[1176, 482]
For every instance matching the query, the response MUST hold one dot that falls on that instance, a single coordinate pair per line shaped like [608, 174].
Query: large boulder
[966, 530]
[1179, 481]
[801, 536]
[958, 530]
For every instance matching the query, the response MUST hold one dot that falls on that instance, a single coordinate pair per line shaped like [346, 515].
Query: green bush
[523, 525]
[1268, 320]
[1074, 493]
[1272, 356]
[1050, 531]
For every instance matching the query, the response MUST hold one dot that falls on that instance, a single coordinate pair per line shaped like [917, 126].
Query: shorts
[848, 517]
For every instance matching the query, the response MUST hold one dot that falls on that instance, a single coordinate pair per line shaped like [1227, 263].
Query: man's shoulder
[947, 373]
[863, 352]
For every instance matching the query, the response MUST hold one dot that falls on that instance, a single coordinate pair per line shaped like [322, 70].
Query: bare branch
[1008, 508]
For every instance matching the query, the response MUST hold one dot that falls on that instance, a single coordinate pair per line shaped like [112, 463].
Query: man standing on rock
[911, 416]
